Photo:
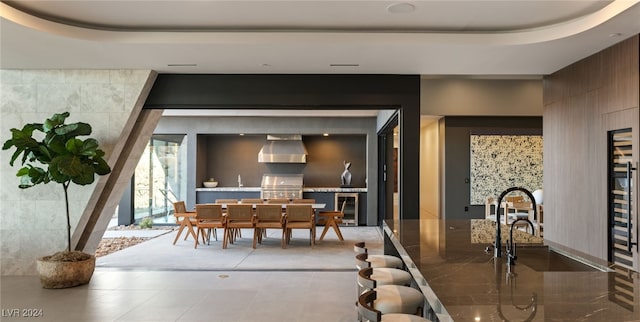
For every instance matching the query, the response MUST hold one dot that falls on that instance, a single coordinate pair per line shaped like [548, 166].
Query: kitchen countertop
[333, 189]
[244, 189]
[306, 189]
[462, 282]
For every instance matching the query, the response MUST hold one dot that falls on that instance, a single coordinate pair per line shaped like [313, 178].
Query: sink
[542, 259]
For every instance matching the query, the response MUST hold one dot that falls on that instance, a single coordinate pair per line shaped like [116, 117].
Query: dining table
[331, 217]
[315, 206]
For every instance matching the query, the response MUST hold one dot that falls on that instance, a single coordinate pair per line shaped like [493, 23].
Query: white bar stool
[364, 259]
[369, 278]
[390, 298]
[372, 305]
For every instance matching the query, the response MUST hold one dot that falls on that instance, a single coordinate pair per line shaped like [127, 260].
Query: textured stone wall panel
[32, 221]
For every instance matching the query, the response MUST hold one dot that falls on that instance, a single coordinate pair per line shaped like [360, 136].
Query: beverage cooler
[348, 204]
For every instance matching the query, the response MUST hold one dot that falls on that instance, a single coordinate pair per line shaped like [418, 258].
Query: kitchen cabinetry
[209, 195]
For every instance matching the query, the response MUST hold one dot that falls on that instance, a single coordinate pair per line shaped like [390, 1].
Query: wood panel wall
[580, 102]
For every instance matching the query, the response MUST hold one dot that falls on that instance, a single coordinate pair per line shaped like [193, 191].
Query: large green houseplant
[52, 152]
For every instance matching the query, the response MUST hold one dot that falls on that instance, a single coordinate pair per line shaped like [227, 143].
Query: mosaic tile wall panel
[499, 162]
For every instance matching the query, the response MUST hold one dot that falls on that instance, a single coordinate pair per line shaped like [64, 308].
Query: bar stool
[377, 261]
[369, 309]
[370, 278]
[363, 259]
[392, 298]
[393, 293]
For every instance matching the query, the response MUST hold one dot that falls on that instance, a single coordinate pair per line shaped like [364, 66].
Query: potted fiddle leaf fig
[53, 152]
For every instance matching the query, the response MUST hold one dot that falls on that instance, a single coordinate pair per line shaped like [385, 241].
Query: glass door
[160, 178]
[388, 194]
[348, 204]
[623, 229]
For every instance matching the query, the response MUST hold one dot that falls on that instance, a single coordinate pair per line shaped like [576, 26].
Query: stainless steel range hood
[283, 149]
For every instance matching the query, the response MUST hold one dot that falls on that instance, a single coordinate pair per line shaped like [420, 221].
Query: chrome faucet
[497, 251]
[511, 247]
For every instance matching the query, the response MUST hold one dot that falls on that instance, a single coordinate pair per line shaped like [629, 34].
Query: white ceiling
[474, 37]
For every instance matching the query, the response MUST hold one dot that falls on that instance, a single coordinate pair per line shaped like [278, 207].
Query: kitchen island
[462, 282]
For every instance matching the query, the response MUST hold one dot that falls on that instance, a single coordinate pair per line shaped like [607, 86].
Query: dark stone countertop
[462, 282]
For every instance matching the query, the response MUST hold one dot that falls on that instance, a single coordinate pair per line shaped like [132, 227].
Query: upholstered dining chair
[300, 216]
[238, 216]
[209, 217]
[268, 216]
[181, 213]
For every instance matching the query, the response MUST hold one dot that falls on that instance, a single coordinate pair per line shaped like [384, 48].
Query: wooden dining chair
[268, 216]
[300, 216]
[514, 199]
[181, 213]
[208, 217]
[253, 201]
[281, 201]
[237, 233]
[491, 208]
[303, 201]
[332, 219]
[238, 216]
[226, 201]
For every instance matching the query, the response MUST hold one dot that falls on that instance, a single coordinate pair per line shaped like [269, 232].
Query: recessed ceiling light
[325, 134]
[241, 134]
[401, 7]
[182, 65]
[266, 65]
[617, 34]
[344, 65]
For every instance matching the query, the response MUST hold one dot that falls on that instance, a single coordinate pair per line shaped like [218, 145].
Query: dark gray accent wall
[457, 156]
[227, 156]
[326, 157]
[224, 157]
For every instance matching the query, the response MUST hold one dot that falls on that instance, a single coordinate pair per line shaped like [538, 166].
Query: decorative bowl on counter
[211, 183]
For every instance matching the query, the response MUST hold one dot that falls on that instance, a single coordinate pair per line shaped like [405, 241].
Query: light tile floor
[310, 288]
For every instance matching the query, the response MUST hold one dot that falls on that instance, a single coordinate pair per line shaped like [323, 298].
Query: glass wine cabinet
[622, 224]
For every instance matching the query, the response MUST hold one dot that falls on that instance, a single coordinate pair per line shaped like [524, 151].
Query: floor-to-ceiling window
[160, 178]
